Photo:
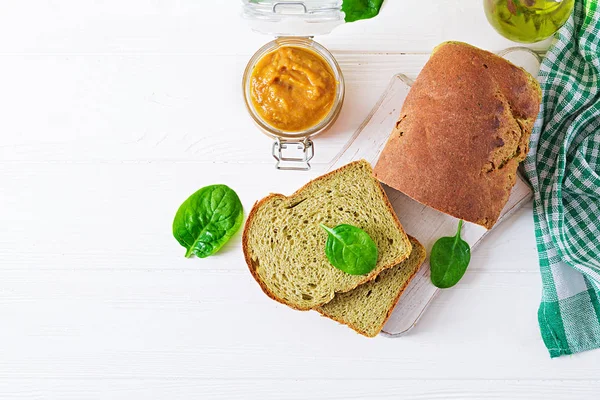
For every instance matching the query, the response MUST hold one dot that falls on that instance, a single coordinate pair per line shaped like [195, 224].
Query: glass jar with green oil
[527, 21]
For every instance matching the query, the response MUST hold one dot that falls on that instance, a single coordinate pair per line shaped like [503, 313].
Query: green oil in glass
[527, 21]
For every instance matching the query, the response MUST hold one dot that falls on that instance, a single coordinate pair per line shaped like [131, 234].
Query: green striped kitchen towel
[563, 167]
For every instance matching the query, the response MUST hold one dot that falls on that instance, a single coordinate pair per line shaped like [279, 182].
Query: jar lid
[293, 18]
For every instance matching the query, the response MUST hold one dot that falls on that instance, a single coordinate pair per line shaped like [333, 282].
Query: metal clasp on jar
[304, 150]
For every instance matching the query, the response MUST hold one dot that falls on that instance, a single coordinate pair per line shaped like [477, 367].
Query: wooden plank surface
[111, 114]
[272, 389]
[190, 27]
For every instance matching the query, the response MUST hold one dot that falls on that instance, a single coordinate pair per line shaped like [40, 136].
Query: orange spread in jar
[292, 89]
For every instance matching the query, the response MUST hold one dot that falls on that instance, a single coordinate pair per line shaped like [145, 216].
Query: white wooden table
[111, 114]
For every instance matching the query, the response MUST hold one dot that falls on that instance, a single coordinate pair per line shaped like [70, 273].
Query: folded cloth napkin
[563, 167]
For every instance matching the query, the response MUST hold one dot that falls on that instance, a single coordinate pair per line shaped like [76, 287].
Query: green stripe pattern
[563, 167]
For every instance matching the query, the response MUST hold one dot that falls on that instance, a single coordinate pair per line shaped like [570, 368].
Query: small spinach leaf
[350, 249]
[449, 259]
[207, 220]
[360, 9]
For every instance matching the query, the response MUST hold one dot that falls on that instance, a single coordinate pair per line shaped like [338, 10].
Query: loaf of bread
[284, 246]
[462, 132]
[367, 308]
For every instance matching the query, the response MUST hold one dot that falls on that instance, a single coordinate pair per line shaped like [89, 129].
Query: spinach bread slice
[284, 246]
[367, 307]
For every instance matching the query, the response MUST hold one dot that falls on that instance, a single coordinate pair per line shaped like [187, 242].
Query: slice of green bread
[284, 246]
[367, 308]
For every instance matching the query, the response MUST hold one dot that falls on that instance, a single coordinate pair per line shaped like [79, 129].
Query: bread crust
[258, 204]
[391, 309]
[397, 299]
[461, 134]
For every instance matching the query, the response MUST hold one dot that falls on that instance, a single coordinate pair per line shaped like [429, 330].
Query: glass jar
[527, 21]
[293, 23]
[301, 140]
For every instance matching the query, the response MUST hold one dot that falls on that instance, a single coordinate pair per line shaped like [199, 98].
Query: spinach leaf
[350, 249]
[207, 220]
[360, 9]
[449, 259]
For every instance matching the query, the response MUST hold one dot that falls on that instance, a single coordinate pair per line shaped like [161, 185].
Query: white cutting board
[422, 222]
